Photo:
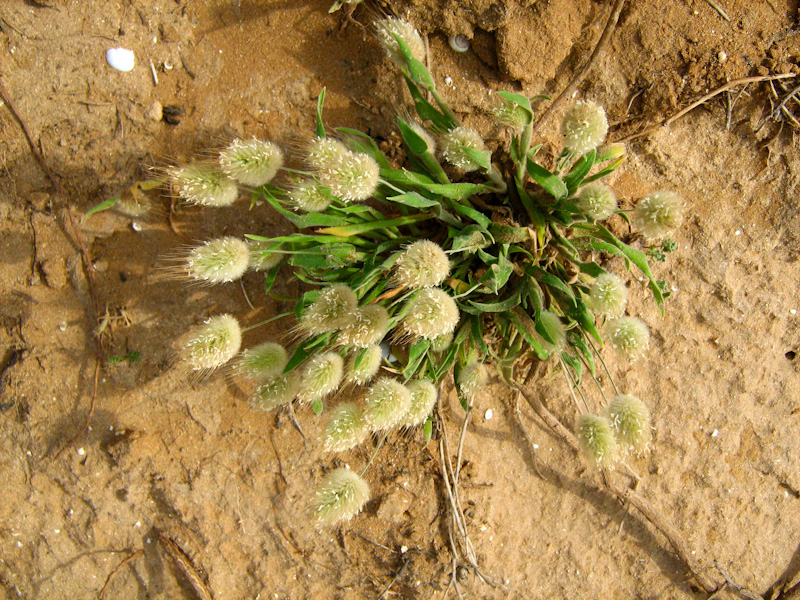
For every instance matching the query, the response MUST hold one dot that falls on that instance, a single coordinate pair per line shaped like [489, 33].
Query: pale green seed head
[555, 328]
[431, 313]
[597, 201]
[441, 342]
[511, 115]
[367, 327]
[629, 336]
[422, 264]
[630, 421]
[472, 378]
[597, 440]
[423, 399]
[391, 28]
[387, 403]
[367, 367]
[321, 376]
[353, 178]
[346, 428]
[608, 295]
[340, 497]
[331, 311]
[658, 214]
[251, 162]
[584, 127]
[263, 255]
[276, 392]
[218, 261]
[325, 153]
[262, 362]
[199, 184]
[310, 196]
[453, 144]
[213, 343]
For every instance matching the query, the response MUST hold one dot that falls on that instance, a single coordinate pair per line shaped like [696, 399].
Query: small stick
[117, 571]
[719, 9]
[744, 592]
[396, 577]
[186, 567]
[611, 24]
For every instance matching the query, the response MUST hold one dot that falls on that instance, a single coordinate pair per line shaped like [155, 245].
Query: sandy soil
[165, 457]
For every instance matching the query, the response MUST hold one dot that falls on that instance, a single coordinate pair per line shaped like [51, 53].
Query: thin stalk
[572, 387]
[276, 317]
[602, 362]
[374, 454]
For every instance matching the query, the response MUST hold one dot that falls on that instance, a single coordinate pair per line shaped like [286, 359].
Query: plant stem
[374, 454]
[275, 318]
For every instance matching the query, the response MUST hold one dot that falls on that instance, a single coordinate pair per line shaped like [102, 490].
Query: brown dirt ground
[229, 485]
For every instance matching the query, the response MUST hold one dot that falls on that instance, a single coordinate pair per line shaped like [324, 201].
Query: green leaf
[472, 214]
[359, 228]
[549, 182]
[416, 143]
[320, 125]
[470, 239]
[316, 406]
[497, 275]
[302, 352]
[413, 199]
[269, 279]
[580, 313]
[604, 172]
[500, 305]
[553, 282]
[416, 354]
[579, 170]
[482, 158]
[526, 327]
[576, 340]
[100, 207]
[522, 101]
[427, 429]
[306, 220]
[576, 365]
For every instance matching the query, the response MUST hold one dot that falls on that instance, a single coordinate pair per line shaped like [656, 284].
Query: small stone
[488, 414]
[120, 59]
[154, 112]
[722, 56]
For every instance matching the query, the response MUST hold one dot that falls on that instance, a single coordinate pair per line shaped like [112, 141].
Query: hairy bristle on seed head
[422, 264]
[340, 497]
[206, 186]
[262, 362]
[346, 428]
[212, 344]
[321, 376]
[555, 329]
[364, 365]
[658, 214]
[264, 255]
[310, 196]
[332, 310]
[251, 162]
[608, 295]
[367, 327]
[630, 421]
[391, 28]
[597, 201]
[353, 178]
[387, 402]
[275, 392]
[629, 336]
[218, 261]
[423, 399]
[584, 127]
[471, 379]
[430, 314]
[596, 439]
[455, 141]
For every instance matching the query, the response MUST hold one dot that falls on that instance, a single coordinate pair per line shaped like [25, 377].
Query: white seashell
[459, 43]
[120, 59]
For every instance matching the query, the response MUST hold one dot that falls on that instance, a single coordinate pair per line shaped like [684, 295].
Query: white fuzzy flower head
[353, 178]
[584, 127]
[276, 391]
[556, 330]
[367, 367]
[423, 399]
[441, 342]
[340, 497]
[321, 376]
[331, 311]
[263, 255]
[471, 379]
[310, 196]
[367, 327]
[325, 152]
[262, 362]
[453, 144]
[431, 313]
[391, 28]
[658, 214]
[198, 184]
[387, 403]
[629, 336]
[511, 114]
[608, 295]
[346, 428]
[597, 201]
[213, 343]
[630, 421]
[597, 440]
[422, 264]
[218, 261]
[251, 162]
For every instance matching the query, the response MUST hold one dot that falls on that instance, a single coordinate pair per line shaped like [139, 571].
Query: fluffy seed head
[441, 342]
[387, 403]
[262, 362]
[353, 178]
[368, 366]
[630, 421]
[322, 375]
[263, 255]
[453, 144]
[346, 428]
[423, 399]
[555, 328]
[608, 295]
[422, 264]
[331, 311]
[340, 497]
[597, 201]
[198, 184]
[511, 114]
[597, 440]
[310, 196]
[472, 378]
[219, 261]
[629, 336]
[251, 162]
[276, 392]
[658, 214]
[368, 325]
[584, 127]
[391, 28]
[325, 152]
[431, 313]
[213, 343]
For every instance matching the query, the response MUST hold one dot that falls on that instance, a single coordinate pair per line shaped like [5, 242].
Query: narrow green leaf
[359, 228]
[100, 207]
[500, 305]
[549, 182]
[320, 125]
[483, 158]
[427, 429]
[316, 406]
[579, 170]
[412, 199]
[269, 279]
[553, 282]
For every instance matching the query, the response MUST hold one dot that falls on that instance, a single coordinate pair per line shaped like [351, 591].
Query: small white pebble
[147, 540]
[81, 452]
[19, 544]
[137, 524]
[722, 56]
[715, 433]
[135, 226]
[56, 531]
[738, 232]
[70, 512]
[62, 326]
[403, 549]
[120, 59]
[793, 311]
[28, 453]
[508, 581]
[536, 446]
[488, 414]
[448, 80]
